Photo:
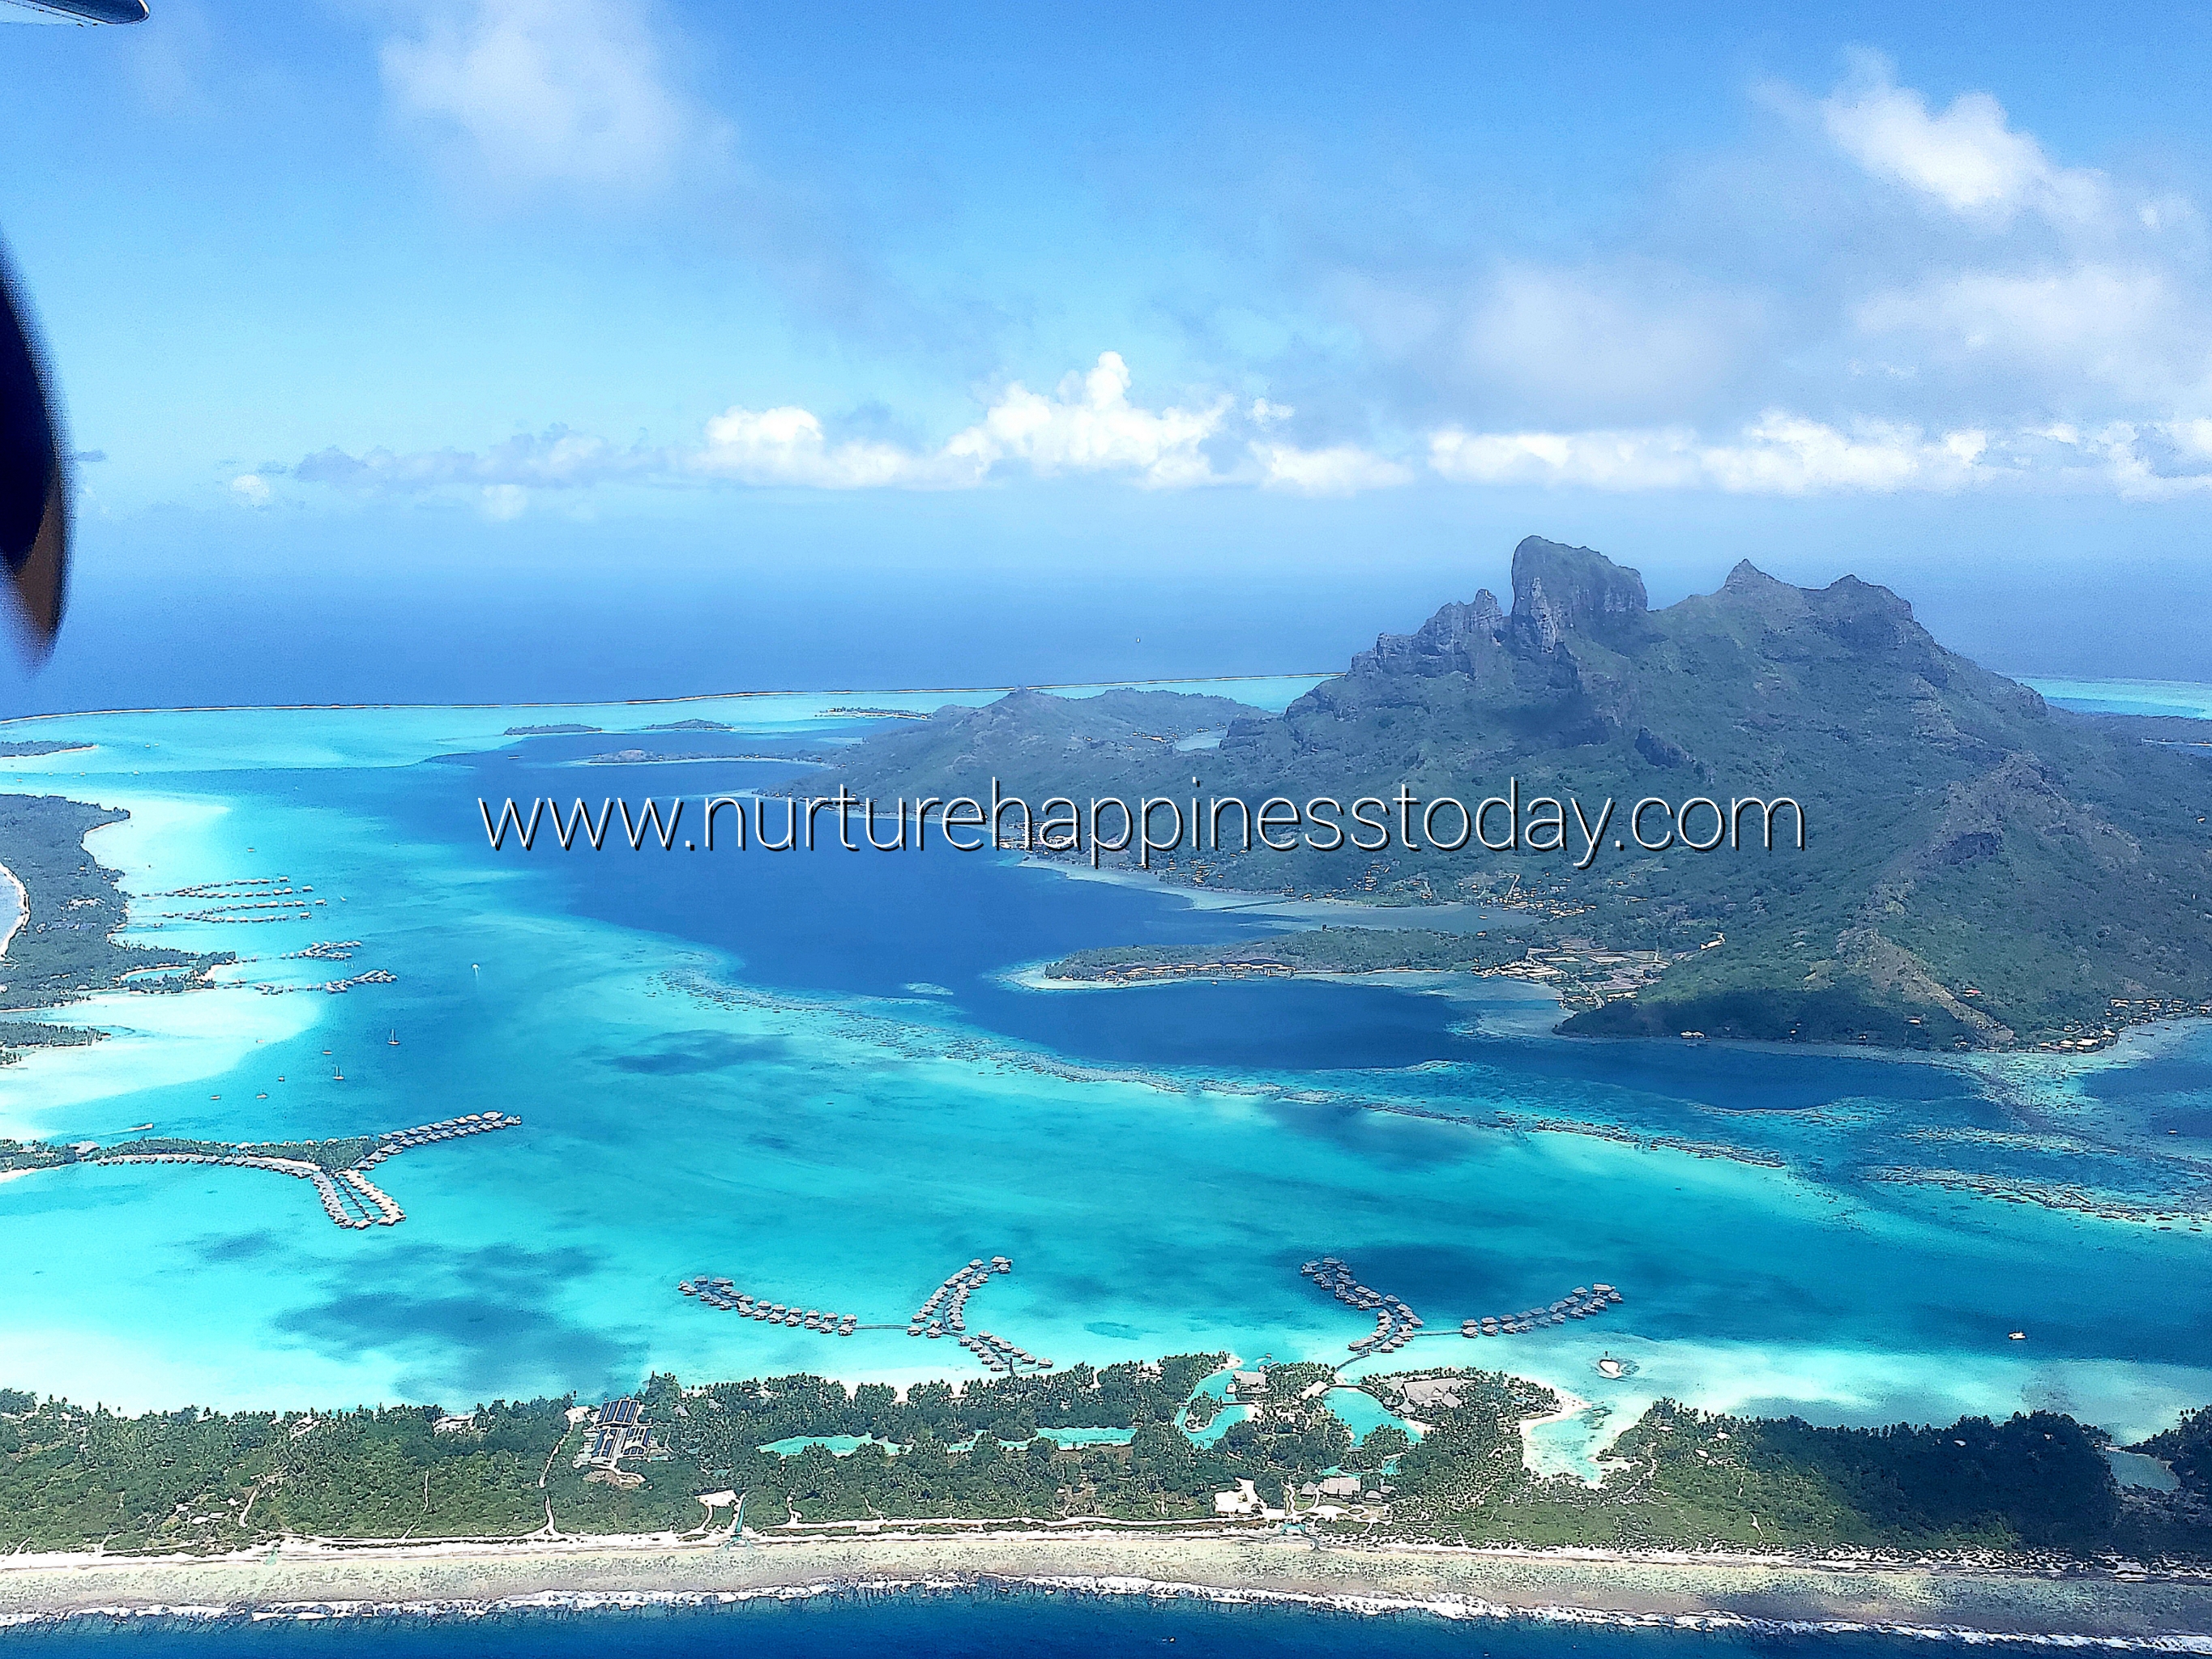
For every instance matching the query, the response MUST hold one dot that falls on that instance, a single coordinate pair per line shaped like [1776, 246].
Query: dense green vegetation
[2187, 1446]
[1323, 950]
[32, 1154]
[17, 1035]
[977, 1450]
[37, 1034]
[73, 1477]
[2177, 1523]
[1980, 870]
[65, 948]
[1679, 1477]
[1040, 739]
[341, 1153]
[18, 748]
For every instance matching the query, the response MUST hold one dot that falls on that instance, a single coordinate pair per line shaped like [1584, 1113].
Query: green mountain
[1978, 869]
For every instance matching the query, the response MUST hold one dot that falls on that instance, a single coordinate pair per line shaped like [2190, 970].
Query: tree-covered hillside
[1980, 869]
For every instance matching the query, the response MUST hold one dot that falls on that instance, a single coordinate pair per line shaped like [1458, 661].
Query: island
[62, 946]
[1979, 870]
[653, 756]
[804, 1455]
[1323, 950]
[1583, 973]
[26, 749]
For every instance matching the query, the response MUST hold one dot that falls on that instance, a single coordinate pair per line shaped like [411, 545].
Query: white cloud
[2146, 461]
[2084, 329]
[1657, 459]
[1784, 454]
[505, 501]
[1627, 342]
[787, 447]
[547, 91]
[555, 459]
[1778, 454]
[1090, 426]
[1340, 470]
[252, 488]
[1969, 158]
[1880, 263]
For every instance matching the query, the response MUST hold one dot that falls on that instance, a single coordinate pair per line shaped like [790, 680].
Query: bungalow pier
[393, 1142]
[942, 1313]
[953, 1297]
[359, 1203]
[1397, 1324]
[724, 1294]
[349, 1197]
[1584, 1302]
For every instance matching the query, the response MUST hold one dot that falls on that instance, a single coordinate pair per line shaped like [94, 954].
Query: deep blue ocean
[936, 1624]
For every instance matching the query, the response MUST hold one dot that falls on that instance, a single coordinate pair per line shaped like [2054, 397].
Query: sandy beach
[15, 907]
[2171, 1613]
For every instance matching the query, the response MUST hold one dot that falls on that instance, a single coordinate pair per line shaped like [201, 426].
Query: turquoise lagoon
[721, 1069]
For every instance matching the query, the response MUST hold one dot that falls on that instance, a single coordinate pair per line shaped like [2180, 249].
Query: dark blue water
[872, 923]
[1024, 1625]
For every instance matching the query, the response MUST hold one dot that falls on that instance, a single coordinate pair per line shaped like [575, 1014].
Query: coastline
[2070, 1607]
[679, 697]
[1448, 982]
[13, 888]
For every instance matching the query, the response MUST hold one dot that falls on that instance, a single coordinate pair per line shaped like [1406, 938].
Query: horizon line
[687, 696]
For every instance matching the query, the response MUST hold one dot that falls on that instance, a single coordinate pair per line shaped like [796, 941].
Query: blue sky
[581, 324]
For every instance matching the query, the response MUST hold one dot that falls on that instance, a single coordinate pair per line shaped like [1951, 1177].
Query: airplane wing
[72, 11]
[34, 507]
[33, 487]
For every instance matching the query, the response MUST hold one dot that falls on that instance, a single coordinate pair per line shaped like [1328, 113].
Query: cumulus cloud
[1888, 267]
[252, 489]
[572, 92]
[787, 447]
[1779, 454]
[1902, 297]
[1339, 469]
[1970, 158]
[1088, 425]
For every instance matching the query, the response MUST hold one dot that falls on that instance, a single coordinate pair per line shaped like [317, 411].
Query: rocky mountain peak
[1560, 590]
[1444, 644]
